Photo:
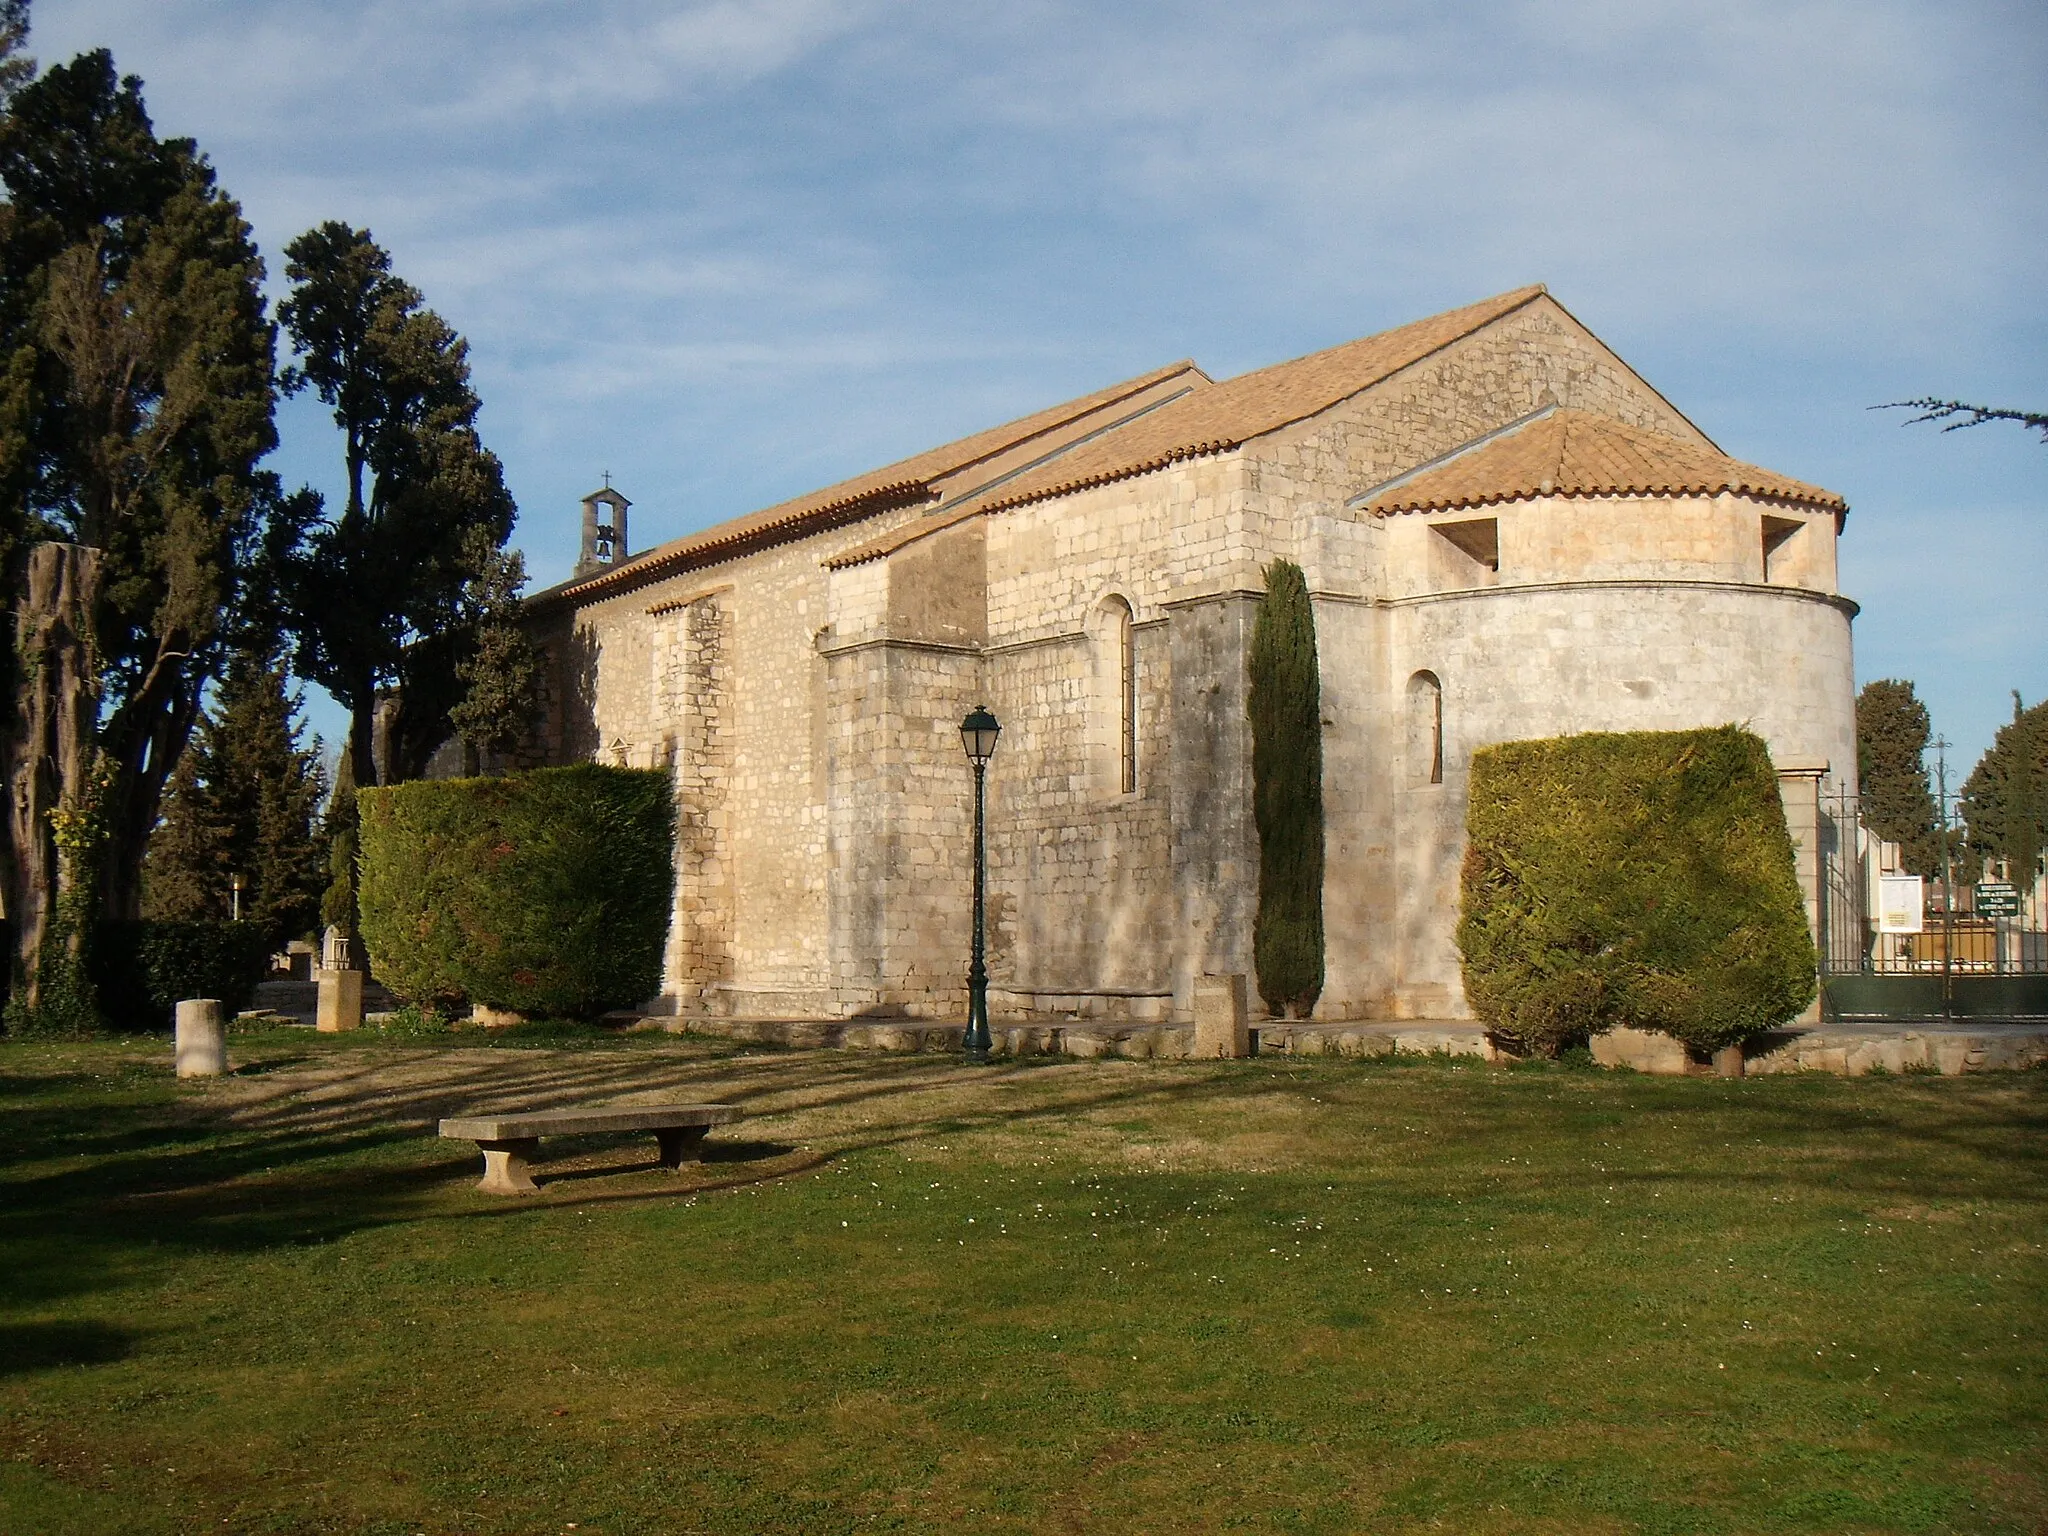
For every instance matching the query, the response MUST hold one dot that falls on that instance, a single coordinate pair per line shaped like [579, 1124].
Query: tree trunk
[146, 745]
[50, 753]
[362, 739]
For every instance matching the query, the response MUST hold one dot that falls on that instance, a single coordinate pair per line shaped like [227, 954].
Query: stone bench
[509, 1142]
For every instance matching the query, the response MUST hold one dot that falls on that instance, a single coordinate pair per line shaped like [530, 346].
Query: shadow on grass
[26, 1347]
[95, 1170]
[716, 1154]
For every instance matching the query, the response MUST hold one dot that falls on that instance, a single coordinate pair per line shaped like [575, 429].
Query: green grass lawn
[1332, 1296]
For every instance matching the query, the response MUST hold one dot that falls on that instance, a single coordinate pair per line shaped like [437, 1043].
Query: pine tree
[2004, 804]
[244, 800]
[267, 787]
[499, 677]
[185, 874]
[1891, 743]
[1285, 704]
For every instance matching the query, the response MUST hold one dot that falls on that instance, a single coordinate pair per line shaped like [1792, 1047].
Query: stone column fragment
[201, 1040]
[341, 1000]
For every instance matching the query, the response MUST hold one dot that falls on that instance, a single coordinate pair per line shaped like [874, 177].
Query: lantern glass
[978, 733]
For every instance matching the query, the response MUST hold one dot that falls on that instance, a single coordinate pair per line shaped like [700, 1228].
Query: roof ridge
[1222, 418]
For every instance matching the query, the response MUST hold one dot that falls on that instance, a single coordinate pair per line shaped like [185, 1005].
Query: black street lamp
[978, 733]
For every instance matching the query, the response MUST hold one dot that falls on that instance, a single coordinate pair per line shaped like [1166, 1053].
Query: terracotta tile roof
[1582, 453]
[1253, 404]
[1216, 419]
[904, 483]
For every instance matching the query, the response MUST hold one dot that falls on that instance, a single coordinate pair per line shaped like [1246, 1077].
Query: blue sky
[730, 251]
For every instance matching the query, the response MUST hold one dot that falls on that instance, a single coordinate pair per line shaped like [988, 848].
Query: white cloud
[732, 250]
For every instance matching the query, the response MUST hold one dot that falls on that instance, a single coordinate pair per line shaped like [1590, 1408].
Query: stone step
[1847, 1050]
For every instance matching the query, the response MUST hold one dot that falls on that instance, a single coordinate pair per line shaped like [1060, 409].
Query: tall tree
[16, 67]
[1285, 704]
[377, 596]
[2004, 804]
[245, 801]
[499, 702]
[137, 402]
[338, 901]
[1891, 743]
[185, 875]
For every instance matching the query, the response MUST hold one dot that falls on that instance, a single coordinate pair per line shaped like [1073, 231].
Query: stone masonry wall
[812, 714]
[621, 677]
[694, 676]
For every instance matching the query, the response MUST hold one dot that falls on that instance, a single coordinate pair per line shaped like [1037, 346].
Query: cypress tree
[2003, 801]
[338, 906]
[375, 595]
[1285, 704]
[1891, 740]
[135, 404]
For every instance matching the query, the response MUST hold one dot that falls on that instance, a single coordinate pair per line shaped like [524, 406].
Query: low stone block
[1644, 1050]
[201, 1039]
[341, 1000]
[1222, 1016]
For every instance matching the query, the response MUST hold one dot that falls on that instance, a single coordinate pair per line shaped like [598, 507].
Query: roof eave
[692, 556]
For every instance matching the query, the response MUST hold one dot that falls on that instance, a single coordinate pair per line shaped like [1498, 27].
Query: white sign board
[1900, 904]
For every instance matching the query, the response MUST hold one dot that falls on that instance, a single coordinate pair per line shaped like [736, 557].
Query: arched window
[1425, 729]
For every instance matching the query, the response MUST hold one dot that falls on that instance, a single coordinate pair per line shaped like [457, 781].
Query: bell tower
[604, 532]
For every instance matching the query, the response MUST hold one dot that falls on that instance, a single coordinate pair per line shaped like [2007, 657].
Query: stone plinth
[1643, 1049]
[202, 1042]
[341, 1000]
[1222, 1016]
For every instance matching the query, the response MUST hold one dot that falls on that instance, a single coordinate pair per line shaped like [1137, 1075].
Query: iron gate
[1980, 951]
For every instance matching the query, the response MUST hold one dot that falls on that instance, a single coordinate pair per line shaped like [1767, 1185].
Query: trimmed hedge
[1644, 879]
[1285, 701]
[143, 970]
[546, 893]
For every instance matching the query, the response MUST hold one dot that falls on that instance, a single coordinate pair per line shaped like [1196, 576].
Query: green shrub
[415, 1021]
[1285, 703]
[1643, 879]
[143, 970]
[546, 892]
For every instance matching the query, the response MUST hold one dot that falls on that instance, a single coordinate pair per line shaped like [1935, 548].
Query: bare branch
[1932, 409]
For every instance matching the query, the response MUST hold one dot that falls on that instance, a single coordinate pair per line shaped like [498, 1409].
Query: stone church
[1506, 532]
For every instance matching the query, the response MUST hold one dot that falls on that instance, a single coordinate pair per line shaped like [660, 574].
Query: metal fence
[1898, 946]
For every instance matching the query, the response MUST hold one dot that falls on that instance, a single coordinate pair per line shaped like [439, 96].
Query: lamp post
[235, 883]
[978, 733]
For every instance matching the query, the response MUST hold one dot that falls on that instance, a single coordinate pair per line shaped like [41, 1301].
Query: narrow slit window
[1127, 702]
[1426, 728]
